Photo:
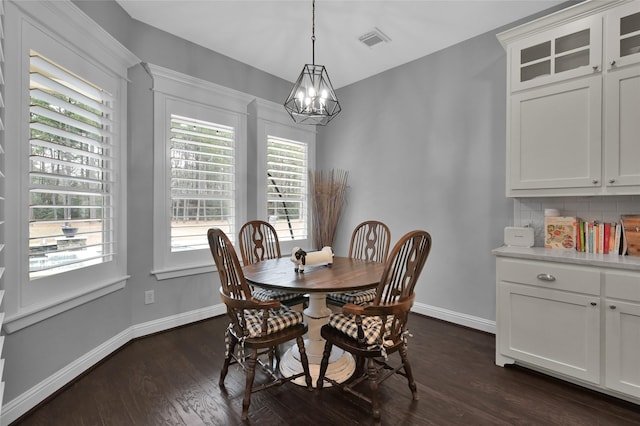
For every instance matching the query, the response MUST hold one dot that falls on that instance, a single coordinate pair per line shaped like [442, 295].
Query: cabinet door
[569, 51]
[623, 347]
[622, 130]
[623, 36]
[556, 330]
[555, 139]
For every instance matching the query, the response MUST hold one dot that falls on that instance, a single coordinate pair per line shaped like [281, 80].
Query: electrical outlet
[149, 297]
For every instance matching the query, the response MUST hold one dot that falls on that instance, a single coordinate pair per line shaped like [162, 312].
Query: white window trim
[172, 89]
[29, 302]
[273, 120]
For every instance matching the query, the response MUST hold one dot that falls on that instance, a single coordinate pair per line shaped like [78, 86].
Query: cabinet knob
[612, 181]
[594, 304]
[613, 63]
[612, 306]
[595, 68]
[546, 277]
[595, 181]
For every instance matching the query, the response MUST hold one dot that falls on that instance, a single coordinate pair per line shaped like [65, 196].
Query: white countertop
[570, 256]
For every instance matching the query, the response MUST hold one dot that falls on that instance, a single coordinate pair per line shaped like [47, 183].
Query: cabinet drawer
[549, 275]
[622, 285]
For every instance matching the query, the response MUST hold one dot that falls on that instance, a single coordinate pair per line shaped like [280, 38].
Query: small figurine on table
[302, 258]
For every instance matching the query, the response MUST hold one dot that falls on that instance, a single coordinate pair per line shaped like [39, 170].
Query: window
[287, 173]
[284, 153]
[200, 169]
[65, 209]
[71, 171]
[202, 181]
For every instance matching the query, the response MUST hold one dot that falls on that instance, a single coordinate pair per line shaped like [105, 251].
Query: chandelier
[312, 99]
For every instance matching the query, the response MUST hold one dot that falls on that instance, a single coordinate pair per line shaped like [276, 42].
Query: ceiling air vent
[374, 38]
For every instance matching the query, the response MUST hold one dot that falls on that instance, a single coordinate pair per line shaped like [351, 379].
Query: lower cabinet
[622, 342]
[580, 322]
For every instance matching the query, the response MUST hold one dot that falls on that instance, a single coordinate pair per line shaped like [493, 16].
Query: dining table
[343, 275]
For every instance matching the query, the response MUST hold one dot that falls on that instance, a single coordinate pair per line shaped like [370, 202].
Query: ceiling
[275, 36]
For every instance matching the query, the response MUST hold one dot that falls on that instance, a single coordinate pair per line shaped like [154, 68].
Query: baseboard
[20, 405]
[476, 323]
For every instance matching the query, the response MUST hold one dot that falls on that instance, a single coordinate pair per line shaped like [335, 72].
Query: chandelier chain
[313, 32]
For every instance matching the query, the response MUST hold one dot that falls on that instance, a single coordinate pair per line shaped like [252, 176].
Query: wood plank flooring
[171, 379]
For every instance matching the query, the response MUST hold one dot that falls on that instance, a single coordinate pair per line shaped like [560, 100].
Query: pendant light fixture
[312, 99]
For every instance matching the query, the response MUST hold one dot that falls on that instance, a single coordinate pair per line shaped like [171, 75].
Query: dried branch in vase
[327, 191]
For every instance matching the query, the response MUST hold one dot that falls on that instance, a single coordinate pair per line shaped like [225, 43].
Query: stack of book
[599, 237]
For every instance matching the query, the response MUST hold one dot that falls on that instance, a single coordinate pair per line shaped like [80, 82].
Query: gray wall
[424, 145]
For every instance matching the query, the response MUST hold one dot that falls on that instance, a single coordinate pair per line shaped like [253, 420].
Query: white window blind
[202, 181]
[71, 171]
[287, 167]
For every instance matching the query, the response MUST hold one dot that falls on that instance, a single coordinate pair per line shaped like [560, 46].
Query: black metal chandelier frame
[312, 99]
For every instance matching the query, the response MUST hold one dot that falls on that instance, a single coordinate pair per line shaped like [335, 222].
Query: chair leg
[372, 374]
[227, 360]
[409, 372]
[324, 363]
[251, 373]
[304, 360]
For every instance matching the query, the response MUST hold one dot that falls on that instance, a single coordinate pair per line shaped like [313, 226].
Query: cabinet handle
[612, 181]
[595, 68]
[546, 277]
[595, 181]
[612, 306]
[594, 304]
[613, 63]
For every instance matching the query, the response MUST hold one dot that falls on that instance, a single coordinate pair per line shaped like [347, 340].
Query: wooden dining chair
[258, 242]
[257, 327]
[370, 241]
[373, 332]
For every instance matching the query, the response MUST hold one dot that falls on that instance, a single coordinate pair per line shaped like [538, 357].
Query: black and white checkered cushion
[370, 326]
[278, 320]
[265, 295]
[357, 298]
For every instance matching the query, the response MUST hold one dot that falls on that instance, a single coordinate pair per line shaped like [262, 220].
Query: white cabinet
[572, 122]
[622, 343]
[542, 322]
[623, 35]
[561, 53]
[565, 317]
[556, 137]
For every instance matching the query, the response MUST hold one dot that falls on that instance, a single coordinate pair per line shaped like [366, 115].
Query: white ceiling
[275, 36]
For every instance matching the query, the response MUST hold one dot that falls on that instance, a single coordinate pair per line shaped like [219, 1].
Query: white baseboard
[20, 405]
[476, 323]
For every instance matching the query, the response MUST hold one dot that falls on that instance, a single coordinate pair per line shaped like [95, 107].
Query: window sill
[34, 314]
[182, 271]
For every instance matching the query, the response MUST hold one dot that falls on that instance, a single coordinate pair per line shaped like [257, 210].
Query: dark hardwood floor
[171, 378]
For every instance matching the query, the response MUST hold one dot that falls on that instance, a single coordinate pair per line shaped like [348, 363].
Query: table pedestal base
[341, 366]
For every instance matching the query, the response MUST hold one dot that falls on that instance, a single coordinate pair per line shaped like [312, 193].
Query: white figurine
[301, 258]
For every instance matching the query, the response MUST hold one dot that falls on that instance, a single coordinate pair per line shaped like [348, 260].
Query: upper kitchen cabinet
[572, 50]
[623, 36]
[573, 102]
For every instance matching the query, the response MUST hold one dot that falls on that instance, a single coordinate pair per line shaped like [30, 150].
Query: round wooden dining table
[344, 275]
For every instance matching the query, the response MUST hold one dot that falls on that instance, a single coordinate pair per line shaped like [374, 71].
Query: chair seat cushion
[370, 326]
[265, 295]
[278, 320]
[357, 298]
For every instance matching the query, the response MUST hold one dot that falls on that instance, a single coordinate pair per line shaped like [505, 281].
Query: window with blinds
[287, 168]
[202, 181]
[71, 171]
